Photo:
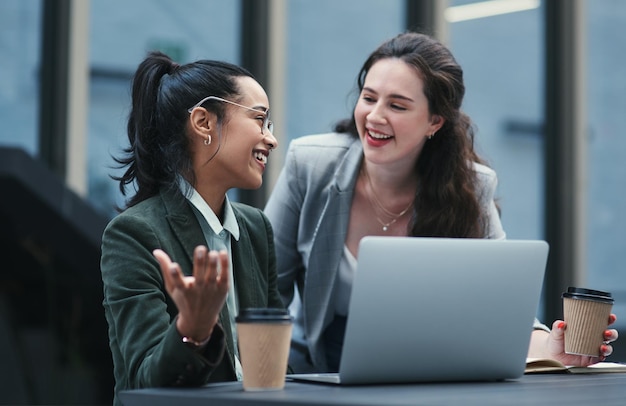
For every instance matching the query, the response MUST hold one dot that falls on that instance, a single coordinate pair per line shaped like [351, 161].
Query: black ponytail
[162, 92]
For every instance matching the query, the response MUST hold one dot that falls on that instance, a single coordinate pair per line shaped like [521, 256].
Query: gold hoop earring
[208, 140]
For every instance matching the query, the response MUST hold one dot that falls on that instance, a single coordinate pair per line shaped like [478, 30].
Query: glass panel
[606, 91]
[20, 33]
[328, 42]
[122, 32]
[502, 58]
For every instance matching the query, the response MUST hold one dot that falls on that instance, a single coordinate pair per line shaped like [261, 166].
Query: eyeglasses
[267, 123]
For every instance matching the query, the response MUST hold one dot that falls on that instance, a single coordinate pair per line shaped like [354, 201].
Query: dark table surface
[555, 389]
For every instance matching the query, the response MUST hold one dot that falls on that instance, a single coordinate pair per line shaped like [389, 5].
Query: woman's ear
[436, 122]
[202, 123]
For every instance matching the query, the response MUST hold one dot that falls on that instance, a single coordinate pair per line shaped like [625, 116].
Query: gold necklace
[394, 216]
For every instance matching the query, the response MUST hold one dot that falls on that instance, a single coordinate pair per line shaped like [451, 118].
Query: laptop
[439, 310]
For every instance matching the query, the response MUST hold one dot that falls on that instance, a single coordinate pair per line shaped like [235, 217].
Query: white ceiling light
[488, 9]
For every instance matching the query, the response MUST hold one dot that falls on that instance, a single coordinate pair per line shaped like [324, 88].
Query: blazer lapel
[247, 269]
[189, 233]
[184, 224]
[328, 246]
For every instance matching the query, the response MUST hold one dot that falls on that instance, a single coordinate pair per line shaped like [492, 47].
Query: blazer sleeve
[146, 347]
[487, 185]
[283, 209]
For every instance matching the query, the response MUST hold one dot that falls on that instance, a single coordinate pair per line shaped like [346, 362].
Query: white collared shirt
[343, 284]
[217, 236]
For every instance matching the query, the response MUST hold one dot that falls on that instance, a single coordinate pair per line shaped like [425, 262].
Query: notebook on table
[438, 309]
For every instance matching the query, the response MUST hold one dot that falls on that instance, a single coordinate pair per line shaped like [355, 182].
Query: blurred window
[502, 59]
[20, 33]
[122, 33]
[606, 188]
[328, 43]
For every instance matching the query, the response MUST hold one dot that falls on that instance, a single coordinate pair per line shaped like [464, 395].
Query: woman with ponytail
[180, 258]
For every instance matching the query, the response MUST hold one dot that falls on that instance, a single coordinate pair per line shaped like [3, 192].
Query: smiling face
[392, 115]
[244, 151]
[238, 152]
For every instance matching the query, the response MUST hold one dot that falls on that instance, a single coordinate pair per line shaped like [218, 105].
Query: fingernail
[560, 325]
[607, 334]
[603, 349]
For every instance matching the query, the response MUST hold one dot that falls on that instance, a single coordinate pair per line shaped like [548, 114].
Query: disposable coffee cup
[264, 336]
[586, 313]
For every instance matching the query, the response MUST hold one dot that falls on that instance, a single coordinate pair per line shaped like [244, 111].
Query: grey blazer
[309, 210]
[146, 347]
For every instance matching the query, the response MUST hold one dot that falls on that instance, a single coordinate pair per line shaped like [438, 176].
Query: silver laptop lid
[435, 309]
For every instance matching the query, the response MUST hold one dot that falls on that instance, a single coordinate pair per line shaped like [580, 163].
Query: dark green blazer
[146, 347]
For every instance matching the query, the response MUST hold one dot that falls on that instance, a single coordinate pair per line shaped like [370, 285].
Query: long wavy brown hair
[446, 203]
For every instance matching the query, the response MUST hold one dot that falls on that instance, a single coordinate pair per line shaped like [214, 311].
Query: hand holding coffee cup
[264, 336]
[586, 313]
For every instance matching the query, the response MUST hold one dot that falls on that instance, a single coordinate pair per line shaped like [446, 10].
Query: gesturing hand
[199, 298]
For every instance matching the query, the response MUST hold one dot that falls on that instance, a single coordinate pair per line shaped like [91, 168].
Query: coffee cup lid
[588, 294]
[263, 315]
